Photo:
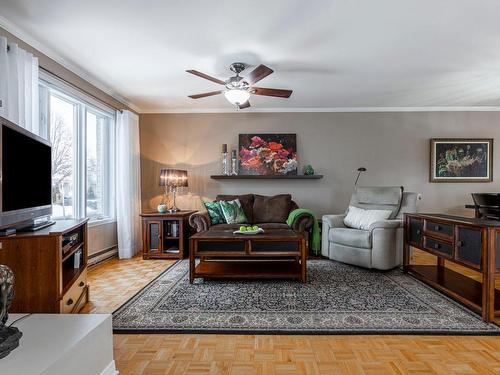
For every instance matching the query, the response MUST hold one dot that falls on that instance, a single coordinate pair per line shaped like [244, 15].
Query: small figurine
[308, 170]
[9, 336]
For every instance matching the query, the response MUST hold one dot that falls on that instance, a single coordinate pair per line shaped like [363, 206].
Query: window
[82, 135]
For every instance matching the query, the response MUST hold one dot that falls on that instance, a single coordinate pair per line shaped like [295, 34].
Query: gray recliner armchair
[379, 247]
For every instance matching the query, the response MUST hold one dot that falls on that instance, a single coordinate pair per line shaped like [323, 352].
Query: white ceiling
[333, 54]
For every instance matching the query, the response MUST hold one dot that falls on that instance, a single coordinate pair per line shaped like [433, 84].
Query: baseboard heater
[101, 256]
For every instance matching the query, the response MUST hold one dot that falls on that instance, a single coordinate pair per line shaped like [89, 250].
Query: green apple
[249, 229]
[243, 229]
[255, 227]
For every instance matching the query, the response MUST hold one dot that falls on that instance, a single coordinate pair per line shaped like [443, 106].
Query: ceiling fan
[238, 89]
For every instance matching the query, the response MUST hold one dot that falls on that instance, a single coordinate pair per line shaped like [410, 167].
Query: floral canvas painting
[461, 160]
[268, 154]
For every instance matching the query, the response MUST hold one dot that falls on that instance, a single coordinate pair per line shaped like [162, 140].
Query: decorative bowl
[260, 230]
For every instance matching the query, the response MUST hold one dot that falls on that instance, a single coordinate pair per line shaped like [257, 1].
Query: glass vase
[225, 165]
[234, 164]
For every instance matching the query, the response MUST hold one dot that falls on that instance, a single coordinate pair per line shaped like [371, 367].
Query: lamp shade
[237, 96]
[173, 178]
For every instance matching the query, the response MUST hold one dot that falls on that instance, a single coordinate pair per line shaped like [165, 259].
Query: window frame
[51, 85]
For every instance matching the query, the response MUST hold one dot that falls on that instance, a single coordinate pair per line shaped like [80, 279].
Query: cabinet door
[469, 246]
[154, 233]
[415, 234]
[497, 254]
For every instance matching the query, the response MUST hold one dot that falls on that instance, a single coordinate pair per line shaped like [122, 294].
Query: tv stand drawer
[72, 296]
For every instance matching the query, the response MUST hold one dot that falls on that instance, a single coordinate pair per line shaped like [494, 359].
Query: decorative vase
[162, 208]
[224, 161]
[234, 163]
[308, 170]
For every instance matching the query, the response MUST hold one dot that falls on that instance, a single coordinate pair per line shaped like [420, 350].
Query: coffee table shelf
[279, 253]
[234, 269]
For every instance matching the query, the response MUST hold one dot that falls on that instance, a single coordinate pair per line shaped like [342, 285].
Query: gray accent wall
[394, 147]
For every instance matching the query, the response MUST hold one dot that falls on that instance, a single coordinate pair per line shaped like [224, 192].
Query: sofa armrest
[199, 221]
[386, 224]
[303, 223]
[333, 221]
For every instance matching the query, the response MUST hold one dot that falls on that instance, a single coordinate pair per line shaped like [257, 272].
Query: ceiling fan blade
[206, 76]
[244, 105]
[271, 92]
[197, 96]
[258, 73]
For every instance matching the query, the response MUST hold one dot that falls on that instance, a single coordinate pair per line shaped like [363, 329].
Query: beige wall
[394, 147]
[102, 236]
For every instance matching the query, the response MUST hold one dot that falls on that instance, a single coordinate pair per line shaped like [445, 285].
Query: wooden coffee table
[276, 253]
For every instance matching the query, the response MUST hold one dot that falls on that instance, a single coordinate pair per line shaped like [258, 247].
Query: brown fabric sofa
[266, 212]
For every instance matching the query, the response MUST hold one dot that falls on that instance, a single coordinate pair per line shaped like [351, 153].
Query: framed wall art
[268, 154]
[461, 160]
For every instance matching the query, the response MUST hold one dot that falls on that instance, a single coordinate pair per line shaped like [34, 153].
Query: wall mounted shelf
[268, 177]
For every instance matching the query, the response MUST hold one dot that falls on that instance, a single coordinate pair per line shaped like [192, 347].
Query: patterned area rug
[337, 299]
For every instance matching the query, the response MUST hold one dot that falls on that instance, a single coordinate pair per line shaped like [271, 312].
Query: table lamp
[173, 179]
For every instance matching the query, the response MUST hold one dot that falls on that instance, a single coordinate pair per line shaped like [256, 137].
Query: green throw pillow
[233, 213]
[215, 212]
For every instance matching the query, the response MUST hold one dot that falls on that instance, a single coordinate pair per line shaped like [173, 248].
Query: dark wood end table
[278, 253]
[165, 236]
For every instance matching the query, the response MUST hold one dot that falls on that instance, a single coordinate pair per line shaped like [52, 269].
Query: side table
[165, 236]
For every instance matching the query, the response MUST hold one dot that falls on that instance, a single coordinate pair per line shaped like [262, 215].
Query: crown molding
[36, 44]
[324, 110]
[80, 72]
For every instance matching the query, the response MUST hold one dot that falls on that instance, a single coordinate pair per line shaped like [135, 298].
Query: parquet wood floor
[113, 282]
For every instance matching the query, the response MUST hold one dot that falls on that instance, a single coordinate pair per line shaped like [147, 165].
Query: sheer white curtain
[128, 188]
[19, 86]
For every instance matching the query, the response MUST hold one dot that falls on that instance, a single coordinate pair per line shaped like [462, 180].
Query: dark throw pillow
[271, 209]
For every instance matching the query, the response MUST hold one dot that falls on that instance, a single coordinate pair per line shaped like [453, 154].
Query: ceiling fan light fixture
[237, 96]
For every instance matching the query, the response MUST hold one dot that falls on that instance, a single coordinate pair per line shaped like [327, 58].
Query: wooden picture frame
[461, 160]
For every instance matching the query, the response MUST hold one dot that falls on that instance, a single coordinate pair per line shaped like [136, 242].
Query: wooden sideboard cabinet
[50, 268]
[165, 235]
[470, 242]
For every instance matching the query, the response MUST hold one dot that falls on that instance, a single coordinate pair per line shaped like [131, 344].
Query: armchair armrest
[302, 223]
[334, 221]
[329, 221]
[386, 224]
[199, 221]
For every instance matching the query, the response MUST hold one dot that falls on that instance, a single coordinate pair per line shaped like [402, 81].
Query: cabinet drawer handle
[70, 302]
[81, 285]
[460, 243]
[437, 228]
[437, 246]
[419, 231]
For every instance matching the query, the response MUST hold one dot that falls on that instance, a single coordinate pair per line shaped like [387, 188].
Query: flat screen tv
[26, 176]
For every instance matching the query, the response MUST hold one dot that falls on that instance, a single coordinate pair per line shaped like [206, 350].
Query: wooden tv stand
[469, 242]
[43, 262]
